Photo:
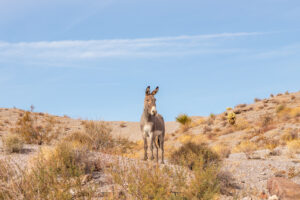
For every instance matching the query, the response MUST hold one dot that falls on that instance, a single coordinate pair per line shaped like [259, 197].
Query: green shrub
[12, 143]
[183, 119]
[185, 122]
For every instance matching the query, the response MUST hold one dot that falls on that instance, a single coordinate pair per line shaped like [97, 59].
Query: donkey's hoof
[162, 162]
[152, 158]
[145, 158]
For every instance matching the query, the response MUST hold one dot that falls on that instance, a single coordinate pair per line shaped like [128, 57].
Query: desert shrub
[241, 124]
[212, 116]
[204, 185]
[266, 123]
[12, 143]
[100, 132]
[289, 135]
[294, 146]
[27, 127]
[222, 150]
[280, 108]
[148, 181]
[293, 97]
[257, 100]
[97, 136]
[228, 184]
[228, 108]
[9, 171]
[287, 113]
[271, 144]
[185, 121]
[271, 95]
[231, 117]
[191, 154]
[246, 147]
[55, 173]
[142, 181]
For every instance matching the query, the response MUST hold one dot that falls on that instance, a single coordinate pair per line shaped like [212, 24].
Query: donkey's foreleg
[145, 148]
[151, 145]
[156, 146]
[162, 148]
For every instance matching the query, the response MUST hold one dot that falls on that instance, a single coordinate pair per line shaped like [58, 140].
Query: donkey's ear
[148, 90]
[155, 91]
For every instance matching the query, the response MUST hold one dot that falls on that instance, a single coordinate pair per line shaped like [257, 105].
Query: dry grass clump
[241, 124]
[205, 166]
[55, 173]
[33, 133]
[97, 136]
[294, 146]
[198, 139]
[266, 123]
[271, 144]
[222, 150]
[12, 143]
[147, 181]
[191, 154]
[257, 100]
[246, 147]
[280, 108]
[185, 121]
[289, 135]
[287, 113]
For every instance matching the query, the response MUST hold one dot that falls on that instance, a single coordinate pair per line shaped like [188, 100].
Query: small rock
[274, 197]
[247, 198]
[284, 188]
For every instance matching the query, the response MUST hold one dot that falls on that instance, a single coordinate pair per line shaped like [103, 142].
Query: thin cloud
[123, 48]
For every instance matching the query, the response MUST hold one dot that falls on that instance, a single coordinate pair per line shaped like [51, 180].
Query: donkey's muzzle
[153, 110]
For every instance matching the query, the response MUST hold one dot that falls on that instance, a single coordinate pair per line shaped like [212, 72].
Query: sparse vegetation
[145, 181]
[191, 154]
[289, 135]
[28, 128]
[184, 120]
[55, 173]
[97, 136]
[231, 117]
[257, 100]
[12, 143]
[222, 150]
[148, 181]
[246, 147]
[294, 146]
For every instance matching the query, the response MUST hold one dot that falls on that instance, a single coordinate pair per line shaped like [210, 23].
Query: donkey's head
[150, 101]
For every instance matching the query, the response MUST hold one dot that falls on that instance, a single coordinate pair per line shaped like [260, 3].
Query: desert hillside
[255, 142]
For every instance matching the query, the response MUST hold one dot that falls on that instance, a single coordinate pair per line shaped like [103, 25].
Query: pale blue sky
[94, 59]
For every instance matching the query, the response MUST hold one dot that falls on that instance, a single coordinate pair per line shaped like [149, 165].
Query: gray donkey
[152, 125]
